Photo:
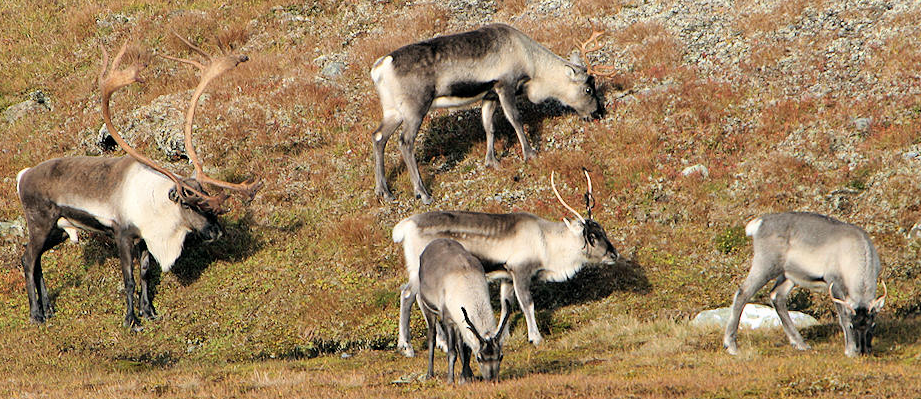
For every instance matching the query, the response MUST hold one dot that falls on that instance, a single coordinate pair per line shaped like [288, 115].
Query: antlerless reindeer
[491, 64]
[147, 209]
[513, 247]
[819, 253]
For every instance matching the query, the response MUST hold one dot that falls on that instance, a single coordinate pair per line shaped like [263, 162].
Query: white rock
[704, 172]
[753, 316]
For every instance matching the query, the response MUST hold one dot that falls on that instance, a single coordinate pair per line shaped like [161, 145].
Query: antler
[836, 300]
[471, 327]
[597, 70]
[882, 298]
[211, 69]
[508, 305]
[589, 198]
[565, 205]
[111, 79]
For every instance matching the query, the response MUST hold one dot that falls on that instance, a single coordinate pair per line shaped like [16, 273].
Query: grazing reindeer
[513, 247]
[491, 64]
[815, 252]
[145, 208]
[451, 282]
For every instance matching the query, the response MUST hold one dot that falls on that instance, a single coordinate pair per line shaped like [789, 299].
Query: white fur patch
[70, 229]
[752, 227]
[399, 231]
[380, 66]
[145, 204]
[19, 178]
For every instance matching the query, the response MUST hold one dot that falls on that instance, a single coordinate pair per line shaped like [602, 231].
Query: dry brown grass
[308, 268]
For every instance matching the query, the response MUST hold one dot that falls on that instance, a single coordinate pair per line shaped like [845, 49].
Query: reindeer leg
[522, 283]
[430, 336]
[451, 336]
[43, 235]
[489, 109]
[407, 297]
[465, 351]
[125, 243]
[779, 299]
[844, 319]
[762, 271]
[407, 138]
[507, 99]
[389, 124]
[147, 292]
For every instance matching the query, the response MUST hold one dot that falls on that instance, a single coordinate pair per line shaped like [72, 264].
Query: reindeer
[145, 208]
[816, 252]
[451, 282]
[491, 64]
[513, 247]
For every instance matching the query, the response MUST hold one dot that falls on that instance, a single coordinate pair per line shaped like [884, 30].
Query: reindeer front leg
[522, 283]
[125, 242]
[507, 100]
[147, 293]
[779, 299]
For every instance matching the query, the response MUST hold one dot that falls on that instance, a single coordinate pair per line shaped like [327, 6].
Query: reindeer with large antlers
[513, 247]
[147, 209]
[492, 64]
[816, 252]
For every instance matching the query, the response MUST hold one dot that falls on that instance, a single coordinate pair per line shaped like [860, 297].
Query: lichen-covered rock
[38, 102]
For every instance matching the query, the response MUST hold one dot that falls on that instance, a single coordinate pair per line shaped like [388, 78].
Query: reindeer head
[197, 215]
[861, 321]
[596, 246]
[489, 356]
[582, 95]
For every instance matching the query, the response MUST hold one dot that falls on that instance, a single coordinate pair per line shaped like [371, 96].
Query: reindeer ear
[575, 59]
[173, 195]
[572, 228]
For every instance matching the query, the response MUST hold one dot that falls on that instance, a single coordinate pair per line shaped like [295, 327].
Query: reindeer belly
[461, 93]
[72, 219]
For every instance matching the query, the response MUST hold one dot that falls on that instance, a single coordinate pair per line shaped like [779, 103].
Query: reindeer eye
[588, 90]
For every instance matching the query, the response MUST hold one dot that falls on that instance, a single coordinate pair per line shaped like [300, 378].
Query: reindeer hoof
[732, 348]
[406, 350]
[530, 154]
[802, 347]
[385, 195]
[425, 198]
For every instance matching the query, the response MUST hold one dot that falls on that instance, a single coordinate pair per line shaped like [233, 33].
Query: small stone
[333, 69]
[910, 155]
[704, 172]
[13, 228]
[863, 124]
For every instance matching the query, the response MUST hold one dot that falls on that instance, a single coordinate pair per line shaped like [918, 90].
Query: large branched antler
[212, 67]
[597, 70]
[111, 79]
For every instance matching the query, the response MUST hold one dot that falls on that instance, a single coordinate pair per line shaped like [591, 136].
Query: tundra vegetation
[795, 105]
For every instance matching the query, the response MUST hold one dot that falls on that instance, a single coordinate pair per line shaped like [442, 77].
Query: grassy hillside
[793, 105]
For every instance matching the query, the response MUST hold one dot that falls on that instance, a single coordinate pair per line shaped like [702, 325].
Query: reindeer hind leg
[763, 270]
[389, 124]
